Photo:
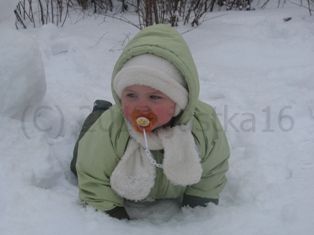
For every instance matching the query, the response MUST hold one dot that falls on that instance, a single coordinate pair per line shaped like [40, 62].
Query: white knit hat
[155, 72]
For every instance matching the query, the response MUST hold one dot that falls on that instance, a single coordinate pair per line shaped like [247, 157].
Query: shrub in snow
[38, 12]
[22, 75]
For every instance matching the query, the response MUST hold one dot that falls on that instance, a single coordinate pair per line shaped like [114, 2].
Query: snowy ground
[255, 68]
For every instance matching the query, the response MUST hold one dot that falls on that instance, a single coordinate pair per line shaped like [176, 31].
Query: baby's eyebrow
[128, 90]
[157, 93]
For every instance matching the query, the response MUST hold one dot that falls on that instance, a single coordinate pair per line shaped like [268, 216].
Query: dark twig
[309, 7]
[66, 13]
[18, 17]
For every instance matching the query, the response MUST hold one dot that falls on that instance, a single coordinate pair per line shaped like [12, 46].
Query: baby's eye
[155, 97]
[130, 95]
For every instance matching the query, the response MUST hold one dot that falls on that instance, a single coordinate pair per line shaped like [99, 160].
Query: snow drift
[22, 73]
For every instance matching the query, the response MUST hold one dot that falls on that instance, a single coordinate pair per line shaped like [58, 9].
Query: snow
[22, 73]
[6, 9]
[255, 69]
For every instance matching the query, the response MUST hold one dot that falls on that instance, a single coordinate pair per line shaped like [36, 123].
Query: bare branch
[18, 17]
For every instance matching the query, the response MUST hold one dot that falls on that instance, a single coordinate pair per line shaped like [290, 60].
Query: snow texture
[255, 68]
[22, 73]
[6, 10]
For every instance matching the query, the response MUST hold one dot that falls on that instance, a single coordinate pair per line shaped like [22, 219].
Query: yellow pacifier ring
[142, 121]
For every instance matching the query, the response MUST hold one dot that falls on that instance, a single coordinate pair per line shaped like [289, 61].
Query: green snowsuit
[103, 145]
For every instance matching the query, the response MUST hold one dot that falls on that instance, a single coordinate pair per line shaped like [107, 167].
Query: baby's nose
[142, 106]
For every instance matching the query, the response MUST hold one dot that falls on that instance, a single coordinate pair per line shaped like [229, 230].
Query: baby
[159, 141]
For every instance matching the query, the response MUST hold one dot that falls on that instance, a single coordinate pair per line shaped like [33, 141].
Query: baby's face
[143, 101]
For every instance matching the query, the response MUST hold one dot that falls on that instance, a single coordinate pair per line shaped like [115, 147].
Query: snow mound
[22, 73]
[6, 10]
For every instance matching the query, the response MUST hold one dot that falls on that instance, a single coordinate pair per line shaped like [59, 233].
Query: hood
[165, 42]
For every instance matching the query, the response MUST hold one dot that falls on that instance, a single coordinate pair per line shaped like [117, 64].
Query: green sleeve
[97, 159]
[214, 152]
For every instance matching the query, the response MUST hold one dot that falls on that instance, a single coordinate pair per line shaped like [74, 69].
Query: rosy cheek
[126, 111]
[162, 115]
[166, 111]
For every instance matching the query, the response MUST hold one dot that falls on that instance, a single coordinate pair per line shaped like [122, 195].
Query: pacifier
[143, 121]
